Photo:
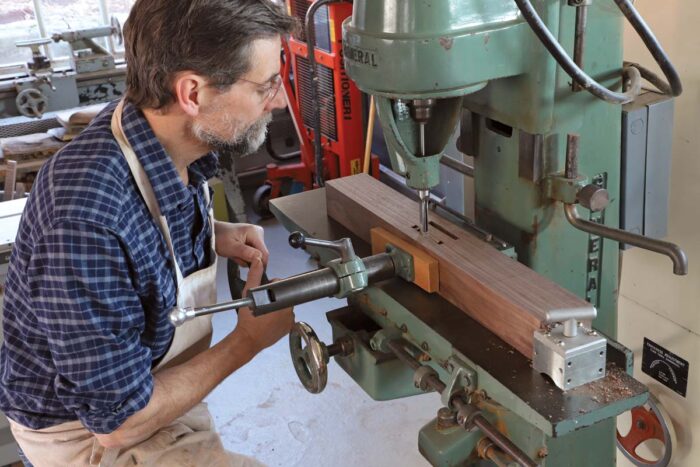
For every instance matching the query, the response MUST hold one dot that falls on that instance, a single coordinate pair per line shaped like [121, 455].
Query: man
[118, 230]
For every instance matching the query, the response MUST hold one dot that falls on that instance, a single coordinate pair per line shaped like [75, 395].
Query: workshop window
[17, 23]
[32, 19]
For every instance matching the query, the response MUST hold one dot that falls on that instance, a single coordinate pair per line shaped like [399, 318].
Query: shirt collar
[168, 187]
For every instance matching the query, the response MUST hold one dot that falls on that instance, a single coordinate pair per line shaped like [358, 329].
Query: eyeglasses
[266, 91]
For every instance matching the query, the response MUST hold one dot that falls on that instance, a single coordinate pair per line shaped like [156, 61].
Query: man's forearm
[176, 390]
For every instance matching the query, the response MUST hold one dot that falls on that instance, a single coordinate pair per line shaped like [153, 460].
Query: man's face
[237, 119]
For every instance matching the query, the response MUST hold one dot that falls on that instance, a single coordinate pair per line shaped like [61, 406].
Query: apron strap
[144, 185]
[102, 457]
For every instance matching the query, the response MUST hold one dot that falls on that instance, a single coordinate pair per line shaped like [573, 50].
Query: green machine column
[522, 124]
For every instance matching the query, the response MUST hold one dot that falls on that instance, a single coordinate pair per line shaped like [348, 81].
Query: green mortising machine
[535, 89]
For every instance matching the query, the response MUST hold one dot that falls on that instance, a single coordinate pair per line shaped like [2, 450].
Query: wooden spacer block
[426, 268]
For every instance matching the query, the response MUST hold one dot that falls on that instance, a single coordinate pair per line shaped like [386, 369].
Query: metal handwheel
[31, 103]
[647, 424]
[309, 356]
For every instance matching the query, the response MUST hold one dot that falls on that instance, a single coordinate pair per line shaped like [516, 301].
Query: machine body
[93, 77]
[547, 174]
[543, 143]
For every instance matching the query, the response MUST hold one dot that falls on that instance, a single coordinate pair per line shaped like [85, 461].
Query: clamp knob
[297, 240]
[343, 246]
[593, 197]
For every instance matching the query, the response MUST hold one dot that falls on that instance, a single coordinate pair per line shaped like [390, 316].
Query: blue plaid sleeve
[85, 302]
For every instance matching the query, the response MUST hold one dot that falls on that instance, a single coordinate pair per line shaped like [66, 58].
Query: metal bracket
[381, 338]
[349, 268]
[403, 262]
[421, 375]
[571, 359]
[462, 380]
[352, 276]
[561, 188]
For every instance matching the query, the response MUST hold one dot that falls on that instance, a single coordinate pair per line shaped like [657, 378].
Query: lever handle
[673, 251]
[343, 246]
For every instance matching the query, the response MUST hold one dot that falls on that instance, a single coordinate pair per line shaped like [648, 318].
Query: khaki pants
[190, 441]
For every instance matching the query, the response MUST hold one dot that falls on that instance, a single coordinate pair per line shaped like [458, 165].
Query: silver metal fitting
[179, 316]
[421, 375]
[570, 354]
[446, 419]
[466, 414]
[593, 197]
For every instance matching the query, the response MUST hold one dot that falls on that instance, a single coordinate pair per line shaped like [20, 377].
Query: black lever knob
[297, 240]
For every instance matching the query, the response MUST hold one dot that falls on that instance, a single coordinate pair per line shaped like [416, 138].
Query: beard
[231, 136]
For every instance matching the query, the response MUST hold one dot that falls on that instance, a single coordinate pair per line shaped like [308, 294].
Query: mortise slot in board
[503, 295]
[443, 230]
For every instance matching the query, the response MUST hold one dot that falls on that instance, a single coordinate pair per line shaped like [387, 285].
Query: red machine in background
[339, 103]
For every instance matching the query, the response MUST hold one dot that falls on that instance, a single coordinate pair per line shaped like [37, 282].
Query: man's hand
[262, 331]
[179, 388]
[242, 243]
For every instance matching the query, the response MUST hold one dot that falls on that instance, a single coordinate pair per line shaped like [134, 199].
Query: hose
[654, 47]
[632, 75]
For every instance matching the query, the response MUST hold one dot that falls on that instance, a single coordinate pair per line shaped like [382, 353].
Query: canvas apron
[188, 441]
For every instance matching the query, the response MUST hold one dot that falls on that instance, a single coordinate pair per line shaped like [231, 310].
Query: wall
[653, 302]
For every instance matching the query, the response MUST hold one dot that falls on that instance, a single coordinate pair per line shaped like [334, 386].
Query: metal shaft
[422, 139]
[579, 40]
[502, 442]
[478, 420]
[179, 316]
[571, 167]
[424, 196]
[295, 290]
[673, 251]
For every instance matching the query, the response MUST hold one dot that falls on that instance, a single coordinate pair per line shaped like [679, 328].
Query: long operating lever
[294, 290]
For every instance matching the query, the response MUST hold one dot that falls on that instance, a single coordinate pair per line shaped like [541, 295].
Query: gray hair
[209, 37]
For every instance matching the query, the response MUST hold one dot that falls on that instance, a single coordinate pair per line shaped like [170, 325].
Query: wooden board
[507, 297]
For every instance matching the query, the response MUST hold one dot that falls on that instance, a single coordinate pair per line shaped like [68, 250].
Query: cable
[654, 47]
[632, 74]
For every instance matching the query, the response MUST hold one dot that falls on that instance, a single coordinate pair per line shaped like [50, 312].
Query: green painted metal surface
[380, 375]
[541, 102]
[457, 46]
[447, 447]
[421, 49]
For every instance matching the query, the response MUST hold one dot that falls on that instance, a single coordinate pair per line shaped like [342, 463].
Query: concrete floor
[263, 411]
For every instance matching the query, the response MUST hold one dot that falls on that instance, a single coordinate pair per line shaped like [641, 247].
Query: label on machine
[665, 366]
